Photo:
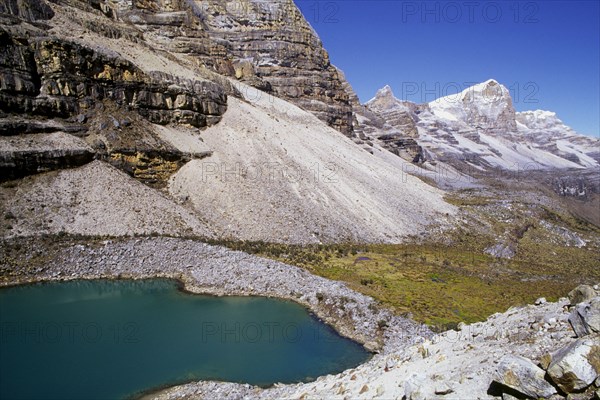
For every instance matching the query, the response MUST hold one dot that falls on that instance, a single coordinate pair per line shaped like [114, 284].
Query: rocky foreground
[547, 350]
[527, 352]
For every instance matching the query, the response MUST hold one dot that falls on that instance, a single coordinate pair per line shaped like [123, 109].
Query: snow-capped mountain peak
[385, 100]
[540, 120]
[383, 93]
[479, 128]
[486, 105]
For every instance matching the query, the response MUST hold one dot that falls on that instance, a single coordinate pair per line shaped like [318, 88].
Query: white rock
[585, 318]
[580, 294]
[524, 376]
[443, 389]
[540, 301]
[591, 315]
[414, 388]
[575, 366]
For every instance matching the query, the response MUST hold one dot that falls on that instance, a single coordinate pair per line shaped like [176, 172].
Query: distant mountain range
[477, 129]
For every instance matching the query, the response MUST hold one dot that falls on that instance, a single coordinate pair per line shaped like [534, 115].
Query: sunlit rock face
[267, 44]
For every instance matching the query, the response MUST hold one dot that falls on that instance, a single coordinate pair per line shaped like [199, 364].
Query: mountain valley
[214, 142]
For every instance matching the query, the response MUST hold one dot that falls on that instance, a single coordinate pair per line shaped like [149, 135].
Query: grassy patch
[438, 285]
[442, 285]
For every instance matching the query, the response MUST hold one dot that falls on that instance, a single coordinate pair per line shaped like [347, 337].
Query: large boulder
[576, 366]
[580, 294]
[522, 375]
[585, 318]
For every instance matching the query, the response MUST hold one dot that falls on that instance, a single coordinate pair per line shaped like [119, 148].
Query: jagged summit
[489, 91]
[385, 100]
[489, 82]
[480, 127]
[487, 105]
[385, 91]
[541, 119]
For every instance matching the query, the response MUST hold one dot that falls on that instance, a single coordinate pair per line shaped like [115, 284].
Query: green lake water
[104, 340]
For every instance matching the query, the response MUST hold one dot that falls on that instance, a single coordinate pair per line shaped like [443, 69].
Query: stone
[414, 388]
[390, 364]
[585, 318]
[591, 315]
[545, 361]
[580, 294]
[522, 375]
[576, 366]
[540, 301]
[577, 323]
[443, 389]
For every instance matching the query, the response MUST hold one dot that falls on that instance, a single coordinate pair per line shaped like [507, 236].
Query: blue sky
[546, 52]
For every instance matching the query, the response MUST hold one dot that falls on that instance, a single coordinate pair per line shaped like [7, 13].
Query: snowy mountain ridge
[487, 105]
[479, 128]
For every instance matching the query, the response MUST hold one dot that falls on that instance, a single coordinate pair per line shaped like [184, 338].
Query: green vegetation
[442, 285]
[438, 285]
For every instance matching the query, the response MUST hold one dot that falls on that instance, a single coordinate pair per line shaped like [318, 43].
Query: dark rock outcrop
[28, 10]
[51, 84]
[392, 123]
[124, 141]
[30, 154]
[57, 79]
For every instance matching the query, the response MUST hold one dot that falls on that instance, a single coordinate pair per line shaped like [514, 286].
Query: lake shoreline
[209, 270]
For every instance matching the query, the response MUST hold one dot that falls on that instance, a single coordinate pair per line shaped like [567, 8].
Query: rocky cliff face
[49, 83]
[266, 44]
[391, 123]
[166, 91]
[272, 42]
[64, 62]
